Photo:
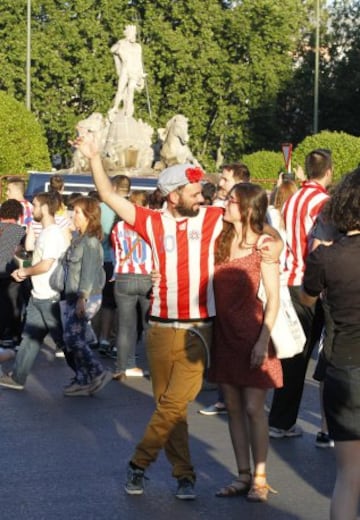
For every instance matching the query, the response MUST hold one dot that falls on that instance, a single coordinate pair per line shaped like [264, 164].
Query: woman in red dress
[243, 359]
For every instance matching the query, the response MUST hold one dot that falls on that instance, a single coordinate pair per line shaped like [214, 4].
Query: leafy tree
[22, 145]
[341, 92]
[276, 31]
[220, 63]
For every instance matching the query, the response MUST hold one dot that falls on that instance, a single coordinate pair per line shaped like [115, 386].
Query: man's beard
[185, 211]
[37, 218]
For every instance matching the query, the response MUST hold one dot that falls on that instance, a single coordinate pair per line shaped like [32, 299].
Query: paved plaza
[65, 458]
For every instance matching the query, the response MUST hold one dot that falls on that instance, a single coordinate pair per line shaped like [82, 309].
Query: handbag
[58, 276]
[287, 334]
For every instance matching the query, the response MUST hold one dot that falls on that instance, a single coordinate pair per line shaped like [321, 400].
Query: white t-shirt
[50, 244]
[274, 219]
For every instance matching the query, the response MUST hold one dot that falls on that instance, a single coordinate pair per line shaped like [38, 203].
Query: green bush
[345, 150]
[264, 167]
[22, 144]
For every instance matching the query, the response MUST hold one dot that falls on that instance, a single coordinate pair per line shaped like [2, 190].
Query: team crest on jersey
[194, 235]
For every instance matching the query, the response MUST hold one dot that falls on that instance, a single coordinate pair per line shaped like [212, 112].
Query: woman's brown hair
[283, 192]
[91, 209]
[252, 200]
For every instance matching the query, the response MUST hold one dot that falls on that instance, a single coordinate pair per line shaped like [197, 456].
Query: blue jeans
[131, 291]
[42, 318]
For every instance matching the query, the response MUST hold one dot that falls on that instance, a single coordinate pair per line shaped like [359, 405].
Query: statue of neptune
[129, 67]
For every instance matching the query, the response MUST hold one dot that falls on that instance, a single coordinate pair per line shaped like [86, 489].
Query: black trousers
[11, 304]
[286, 400]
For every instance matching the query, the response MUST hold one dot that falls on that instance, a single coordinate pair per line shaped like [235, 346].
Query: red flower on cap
[194, 174]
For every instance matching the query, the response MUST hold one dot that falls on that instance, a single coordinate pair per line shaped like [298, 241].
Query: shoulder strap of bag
[130, 252]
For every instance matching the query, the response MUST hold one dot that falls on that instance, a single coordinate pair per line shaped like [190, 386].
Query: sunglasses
[231, 200]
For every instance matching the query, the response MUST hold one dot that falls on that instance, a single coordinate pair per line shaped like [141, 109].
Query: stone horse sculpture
[175, 137]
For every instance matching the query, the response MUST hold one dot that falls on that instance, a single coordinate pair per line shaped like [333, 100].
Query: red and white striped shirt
[183, 253]
[300, 212]
[123, 239]
[27, 217]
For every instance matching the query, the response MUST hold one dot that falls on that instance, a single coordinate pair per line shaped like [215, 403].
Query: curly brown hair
[253, 202]
[344, 205]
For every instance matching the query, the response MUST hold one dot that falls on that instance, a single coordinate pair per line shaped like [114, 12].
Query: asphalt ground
[65, 458]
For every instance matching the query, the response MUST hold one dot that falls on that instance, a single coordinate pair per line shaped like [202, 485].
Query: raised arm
[86, 143]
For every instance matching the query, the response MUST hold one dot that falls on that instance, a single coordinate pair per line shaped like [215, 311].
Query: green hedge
[23, 146]
[345, 150]
[264, 167]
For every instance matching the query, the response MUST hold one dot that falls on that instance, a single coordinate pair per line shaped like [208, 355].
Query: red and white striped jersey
[123, 239]
[27, 216]
[300, 212]
[183, 253]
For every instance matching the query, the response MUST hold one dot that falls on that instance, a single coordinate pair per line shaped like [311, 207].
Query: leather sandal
[240, 486]
[259, 492]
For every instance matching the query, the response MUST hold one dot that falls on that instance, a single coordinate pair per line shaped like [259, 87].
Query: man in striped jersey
[182, 238]
[300, 213]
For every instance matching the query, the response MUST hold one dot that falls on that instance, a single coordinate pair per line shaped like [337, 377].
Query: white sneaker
[100, 381]
[214, 409]
[278, 433]
[74, 390]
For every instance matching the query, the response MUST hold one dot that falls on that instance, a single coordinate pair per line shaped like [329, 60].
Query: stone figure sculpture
[129, 67]
[97, 125]
[128, 144]
[175, 137]
[124, 142]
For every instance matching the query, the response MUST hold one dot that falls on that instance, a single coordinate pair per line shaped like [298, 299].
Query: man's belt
[181, 324]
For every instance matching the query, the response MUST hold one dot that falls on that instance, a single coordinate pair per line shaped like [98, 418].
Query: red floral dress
[238, 322]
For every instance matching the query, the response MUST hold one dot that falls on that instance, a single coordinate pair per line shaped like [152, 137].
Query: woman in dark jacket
[85, 278]
[334, 272]
[11, 294]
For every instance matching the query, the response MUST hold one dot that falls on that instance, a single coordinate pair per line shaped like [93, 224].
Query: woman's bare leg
[234, 400]
[258, 427]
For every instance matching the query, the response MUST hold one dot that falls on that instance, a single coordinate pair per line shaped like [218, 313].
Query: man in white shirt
[43, 312]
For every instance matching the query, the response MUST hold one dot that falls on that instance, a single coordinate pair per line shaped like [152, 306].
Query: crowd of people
[182, 268]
